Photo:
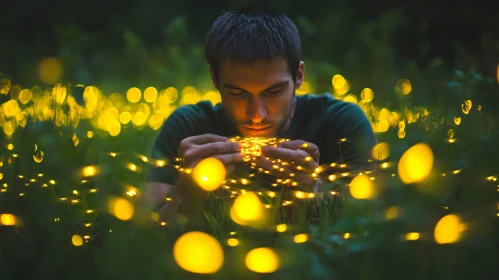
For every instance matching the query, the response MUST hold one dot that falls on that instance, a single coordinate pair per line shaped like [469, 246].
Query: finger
[209, 149]
[308, 147]
[196, 153]
[229, 159]
[225, 159]
[189, 142]
[206, 138]
[299, 157]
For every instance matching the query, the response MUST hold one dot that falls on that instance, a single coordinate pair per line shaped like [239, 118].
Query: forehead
[255, 72]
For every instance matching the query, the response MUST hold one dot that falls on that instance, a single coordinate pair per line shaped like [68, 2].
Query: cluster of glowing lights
[251, 147]
[150, 107]
[105, 112]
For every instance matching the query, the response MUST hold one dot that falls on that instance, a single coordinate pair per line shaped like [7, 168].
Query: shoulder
[329, 107]
[193, 111]
[192, 117]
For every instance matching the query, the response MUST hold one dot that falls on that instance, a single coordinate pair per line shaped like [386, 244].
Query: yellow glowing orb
[209, 174]
[133, 95]
[125, 117]
[338, 81]
[121, 208]
[150, 94]
[367, 95]
[466, 106]
[8, 128]
[77, 240]
[7, 219]
[401, 134]
[25, 96]
[447, 229]
[415, 164]
[381, 151]
[262, 260]
[198, 252]
[403, 86]
[361, 187]
[300, 238]
[350, 98]
[232, 242]
[282, 227]
[248, 207]
[114, 127]
[304, 89]
[89, 171]
[38, 156]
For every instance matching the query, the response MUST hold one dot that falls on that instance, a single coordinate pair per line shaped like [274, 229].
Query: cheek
[235, 109]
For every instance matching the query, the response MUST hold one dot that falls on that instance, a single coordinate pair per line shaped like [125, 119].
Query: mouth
[257, 128]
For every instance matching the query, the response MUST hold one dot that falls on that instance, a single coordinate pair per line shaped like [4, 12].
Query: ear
[300, 74]
[213, 77]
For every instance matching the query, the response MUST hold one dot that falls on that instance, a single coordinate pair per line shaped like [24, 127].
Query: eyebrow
[278, 84]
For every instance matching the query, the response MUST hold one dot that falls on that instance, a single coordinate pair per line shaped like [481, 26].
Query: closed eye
[274, 91]
[236, 92]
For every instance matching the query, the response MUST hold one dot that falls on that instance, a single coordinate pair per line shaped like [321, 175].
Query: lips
[258, 128]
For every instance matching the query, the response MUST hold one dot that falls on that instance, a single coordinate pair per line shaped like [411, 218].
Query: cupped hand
[295, 160]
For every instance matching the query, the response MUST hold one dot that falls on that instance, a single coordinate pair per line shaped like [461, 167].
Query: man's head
[254, 56]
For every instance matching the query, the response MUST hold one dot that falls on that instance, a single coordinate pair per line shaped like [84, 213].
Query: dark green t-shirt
[319, 119]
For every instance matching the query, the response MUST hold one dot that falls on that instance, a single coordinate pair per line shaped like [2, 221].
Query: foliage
[389, 236]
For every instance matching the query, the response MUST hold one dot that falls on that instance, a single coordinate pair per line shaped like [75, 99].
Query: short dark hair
[253, 34]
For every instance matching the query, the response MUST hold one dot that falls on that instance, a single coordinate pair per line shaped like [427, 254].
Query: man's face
[258, 97]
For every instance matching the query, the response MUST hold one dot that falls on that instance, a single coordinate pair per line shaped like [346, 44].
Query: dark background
[104, 40]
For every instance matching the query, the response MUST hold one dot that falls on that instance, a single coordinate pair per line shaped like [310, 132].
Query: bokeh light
[77, 240]
[232, 242]
[304, 89]
[89, 171]
[380, 151]
[362, 187]
[300, 238]
[209, 174]
[415, 164]
[466, 106]
[367, 95]
[150, 94]
[213, 96]
[248, 208]
[7, 219]
[125, 117]
[198, 252]
[262, 260]
[403, 86]
[134, 95]
[338, 81]
[25, 96]
[448, 229]
[121, 208]
[350, 98]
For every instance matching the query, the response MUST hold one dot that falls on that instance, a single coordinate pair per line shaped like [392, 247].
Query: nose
[255, 110]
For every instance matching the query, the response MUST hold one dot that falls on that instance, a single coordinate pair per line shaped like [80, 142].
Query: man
[255, 62]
